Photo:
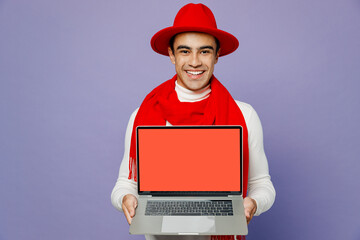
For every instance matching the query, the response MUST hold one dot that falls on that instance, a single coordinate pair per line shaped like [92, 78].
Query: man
[195, 97]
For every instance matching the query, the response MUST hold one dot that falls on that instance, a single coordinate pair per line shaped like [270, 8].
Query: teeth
[195, 73]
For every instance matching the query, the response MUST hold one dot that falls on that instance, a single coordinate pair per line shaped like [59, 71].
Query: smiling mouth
[194, 74]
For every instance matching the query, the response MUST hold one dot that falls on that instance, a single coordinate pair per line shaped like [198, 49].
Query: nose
[195, 60]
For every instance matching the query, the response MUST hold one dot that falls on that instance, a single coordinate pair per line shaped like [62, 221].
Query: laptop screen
[189, 159]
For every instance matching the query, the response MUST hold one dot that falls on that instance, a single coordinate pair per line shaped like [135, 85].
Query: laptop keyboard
[189, 208]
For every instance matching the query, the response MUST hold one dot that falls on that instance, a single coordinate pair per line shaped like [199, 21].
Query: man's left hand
[250, 208]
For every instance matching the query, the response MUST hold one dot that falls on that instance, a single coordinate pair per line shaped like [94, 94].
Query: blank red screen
[173, 159]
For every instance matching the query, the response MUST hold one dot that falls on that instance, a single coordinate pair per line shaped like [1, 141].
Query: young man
[194, 96]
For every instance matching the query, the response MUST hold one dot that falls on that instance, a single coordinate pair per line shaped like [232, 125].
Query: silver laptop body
[210, 174]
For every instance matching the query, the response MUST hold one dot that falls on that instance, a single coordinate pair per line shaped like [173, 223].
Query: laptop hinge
[234, 195]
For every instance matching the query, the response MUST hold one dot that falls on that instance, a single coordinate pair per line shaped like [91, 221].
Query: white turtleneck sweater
[260, 187]
[186, 95]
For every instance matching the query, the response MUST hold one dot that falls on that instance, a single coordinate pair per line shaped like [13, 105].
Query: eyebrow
[206, 47]
[189, 48]
[183, 46]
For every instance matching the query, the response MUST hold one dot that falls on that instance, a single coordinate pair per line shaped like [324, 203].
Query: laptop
[189, 181]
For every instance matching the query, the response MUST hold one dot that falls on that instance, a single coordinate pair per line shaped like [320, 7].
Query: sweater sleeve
[260, 187]
[123, 185]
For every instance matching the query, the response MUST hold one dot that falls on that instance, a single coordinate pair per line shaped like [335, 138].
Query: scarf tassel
[228, 237]
[132, 169]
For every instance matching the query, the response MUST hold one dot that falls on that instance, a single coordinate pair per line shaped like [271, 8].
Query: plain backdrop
[72, 72]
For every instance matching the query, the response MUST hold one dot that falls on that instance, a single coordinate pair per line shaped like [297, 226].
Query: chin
[196, 87]
[193, 84]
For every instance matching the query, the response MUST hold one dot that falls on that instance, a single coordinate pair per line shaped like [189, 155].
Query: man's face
[194, 58]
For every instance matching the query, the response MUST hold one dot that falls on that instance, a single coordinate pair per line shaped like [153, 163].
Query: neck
[186, 95]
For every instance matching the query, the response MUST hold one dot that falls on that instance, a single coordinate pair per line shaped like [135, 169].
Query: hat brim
[160, 41]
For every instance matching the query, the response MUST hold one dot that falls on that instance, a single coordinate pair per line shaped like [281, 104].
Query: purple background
[72, 72]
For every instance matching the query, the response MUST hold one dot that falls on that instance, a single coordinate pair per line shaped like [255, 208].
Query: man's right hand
[129, 205]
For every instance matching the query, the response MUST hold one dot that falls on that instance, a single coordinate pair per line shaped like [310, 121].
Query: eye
[184, 51]
[205, 51]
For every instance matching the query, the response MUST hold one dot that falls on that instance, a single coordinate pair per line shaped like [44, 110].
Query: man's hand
[250, 208]
[129, 205]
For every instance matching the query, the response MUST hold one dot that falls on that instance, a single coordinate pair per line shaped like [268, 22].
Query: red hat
[194, 18]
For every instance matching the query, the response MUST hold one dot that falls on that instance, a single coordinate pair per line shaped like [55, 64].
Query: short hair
[172, 39]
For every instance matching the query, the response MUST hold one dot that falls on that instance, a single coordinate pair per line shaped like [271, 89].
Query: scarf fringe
[228, 237]
[132, 169]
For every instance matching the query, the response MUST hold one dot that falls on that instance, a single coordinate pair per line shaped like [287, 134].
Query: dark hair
[172, 39]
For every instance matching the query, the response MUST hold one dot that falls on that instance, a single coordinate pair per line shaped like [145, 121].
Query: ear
[217, 55]
[171, 55]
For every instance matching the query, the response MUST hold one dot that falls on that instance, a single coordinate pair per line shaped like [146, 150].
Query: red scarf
[162, 104]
